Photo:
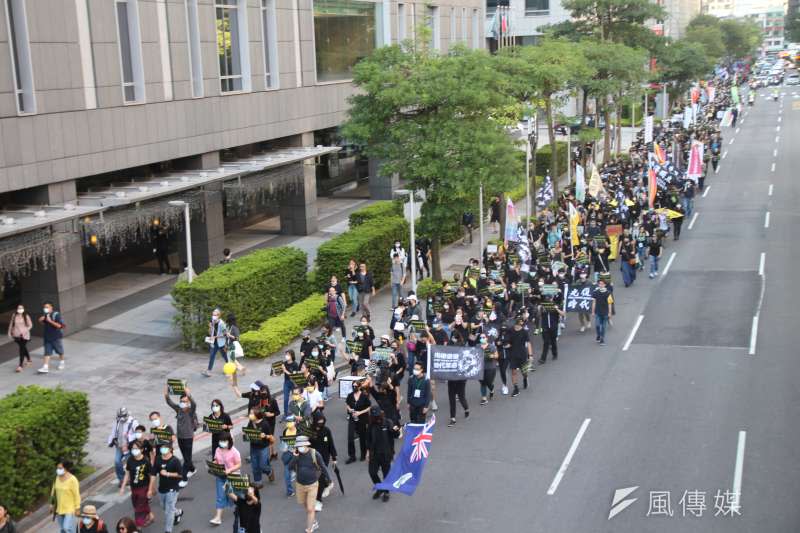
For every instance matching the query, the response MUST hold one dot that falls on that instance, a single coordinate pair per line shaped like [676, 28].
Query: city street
[696, 391]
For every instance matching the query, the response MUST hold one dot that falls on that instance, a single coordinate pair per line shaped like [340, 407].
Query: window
[20, 55]
[401, 22]
[270, 34]
[130, 51]
[476, 33]
[537, 7]
[232, 45]
[345, 31]
[195, 54]
[464, 25]
[433, 24]
[453, 39]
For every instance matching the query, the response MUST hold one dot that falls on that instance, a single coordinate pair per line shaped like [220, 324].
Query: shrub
[38, 428]
[254, 287]
[280, 330]
[379, 210]
[369, 243]
[544, 157]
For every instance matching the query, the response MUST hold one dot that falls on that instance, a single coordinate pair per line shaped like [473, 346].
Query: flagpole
[528, 172]
[480, 215]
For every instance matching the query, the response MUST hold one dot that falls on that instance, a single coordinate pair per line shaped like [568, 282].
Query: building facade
[166, 96]
[524, 19]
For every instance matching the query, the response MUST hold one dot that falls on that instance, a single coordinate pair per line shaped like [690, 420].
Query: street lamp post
[480, 214]
[185, 205]
[412, 244]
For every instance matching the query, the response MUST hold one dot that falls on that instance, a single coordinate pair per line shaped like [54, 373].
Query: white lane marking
[669, 264]
[705, 193]
[770, 190]
[772, 169]
[775, 153]
[732, 141]
[777, 138]
[694, 219]
[779, 119]
[568, 458]
[778, 128]
[754, 329]
[753, 336]
[639, 320]
[737, 130]
[762, 260]
[724, 154]
[766, 220]
[736, 504]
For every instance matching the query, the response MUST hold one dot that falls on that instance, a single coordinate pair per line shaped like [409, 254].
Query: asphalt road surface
[701, 399]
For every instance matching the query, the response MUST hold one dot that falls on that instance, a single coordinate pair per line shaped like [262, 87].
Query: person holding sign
[138, 470]
[490, 358]
[358, 404]
[549, 319]
[229, 458]
[186, 415]
[259, 433]
[159, 432]
[217, 422]
[247, 516]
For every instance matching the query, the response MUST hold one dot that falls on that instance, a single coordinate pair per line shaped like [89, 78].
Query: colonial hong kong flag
[406, 471]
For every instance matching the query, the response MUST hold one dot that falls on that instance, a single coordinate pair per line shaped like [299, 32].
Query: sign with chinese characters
[455, 362]
[578, 299]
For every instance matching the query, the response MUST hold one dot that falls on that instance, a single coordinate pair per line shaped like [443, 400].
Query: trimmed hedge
[38, 428]
[544, 158]
[280, 330]
[379, 210]
[369, 243]
[254, 287]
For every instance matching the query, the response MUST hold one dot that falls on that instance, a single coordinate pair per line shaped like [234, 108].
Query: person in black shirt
[137, 473]
[290, 366]
[322, 441]
[366, 289]
[259, 448]
[549, 314]
[169, 471]
[247, 515]
[654, 249]
[358, 405]
[380, 439]
[600, 307]
[218, 414]
[307, 344]
[518, 350]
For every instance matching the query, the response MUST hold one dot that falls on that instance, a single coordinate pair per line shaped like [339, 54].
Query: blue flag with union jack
[406, 471]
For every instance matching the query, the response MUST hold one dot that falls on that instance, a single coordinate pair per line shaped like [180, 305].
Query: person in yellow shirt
[66, 498]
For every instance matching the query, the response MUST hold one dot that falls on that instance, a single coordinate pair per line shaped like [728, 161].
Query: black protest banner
[176, 386]
[455, 362]
[214, 425]
[216, 470]
[381, 354]
[298, 379]
[162, 435]
[252, 435]
[578, 298]
[239, 482]
[277, 368]
[354, 347]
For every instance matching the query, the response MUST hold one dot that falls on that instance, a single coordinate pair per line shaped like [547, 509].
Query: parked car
[793, 79]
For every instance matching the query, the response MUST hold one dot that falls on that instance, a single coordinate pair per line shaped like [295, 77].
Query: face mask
[138, 435]
[417, 373]
[46, 311]
[583, 276]
[87, 521]
[302, 449]
[214, 318]
[183, 405]
[215, 408]
[164, 450]
[493, 316]
[363, 322]
[447, 307]
[288, 360]
[20, 310]
[296, 397]
[315, 353]
[360, 333]
[59, 471]
[251, 416]
[155, 422]
[223, 444]
[136, 452]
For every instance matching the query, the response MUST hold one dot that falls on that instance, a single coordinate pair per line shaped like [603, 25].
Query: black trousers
[185, 446]
[353, 429]
[457, 388]
[380, 462]
[503, 364]
[23, 350]
[676, 228]
[550, 341]
[163, 263]
[415, 414]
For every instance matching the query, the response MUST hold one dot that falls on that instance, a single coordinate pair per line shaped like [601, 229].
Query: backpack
[322, 472]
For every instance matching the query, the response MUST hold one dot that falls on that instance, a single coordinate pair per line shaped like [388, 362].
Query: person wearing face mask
[247, 514]
[366, 289]
[140, 434]
[289, 367]
[218, 414]
[584, 318]
[167, 468]
[490, 357]
[67, 495]
[157, 423]
[352, 286]
[120, 438]
[91, 522]
[322, 441]
[6, 524]
[217, 340]
[138, 470]
[307, 344]
[186, 414]
[309, 467]
[228, 456]
[518, 350]
[259, 448]
[358, 404]
[53, 333]
[419, 395]
[549, 318]
[313, 396]
[380, 441]
[19, 330]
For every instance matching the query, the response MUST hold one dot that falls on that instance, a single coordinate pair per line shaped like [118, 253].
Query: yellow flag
[613, 246]
[595, 183]
[628, 202]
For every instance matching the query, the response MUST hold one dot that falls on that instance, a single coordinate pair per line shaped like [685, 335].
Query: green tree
[741, 38]
[620, 21]
[681, 63]
[548, 71]
[440, 122]
[711, 39]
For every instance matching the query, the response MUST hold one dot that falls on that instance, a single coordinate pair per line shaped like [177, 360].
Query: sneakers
[505, 390]
[190, 473]
[215, 521]
[206, 373]
[314, 527]
[43, 370]
[178, 517]
[583, 328]
[466, 414]
[376, 495]
[182, 483]
[318, 506]
[327, 491]
[542, 361]
[385, 496]
[602, 342]
[516, 392]
[61, 365]
[484, 401]
[451, 423]
[434, 406]
[491, 395]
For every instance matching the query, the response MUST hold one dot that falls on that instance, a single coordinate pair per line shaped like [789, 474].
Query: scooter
[751, 99]
[775, 96]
